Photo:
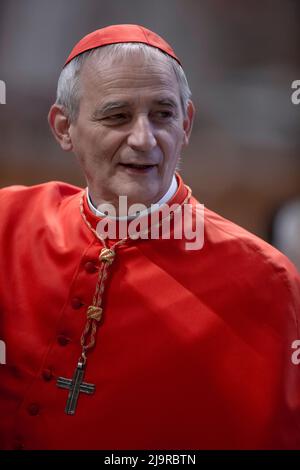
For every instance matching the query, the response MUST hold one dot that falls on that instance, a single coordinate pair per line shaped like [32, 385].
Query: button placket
[63, 340]
[33, 409]
[90, 267]
[76, 303]
[47, 375]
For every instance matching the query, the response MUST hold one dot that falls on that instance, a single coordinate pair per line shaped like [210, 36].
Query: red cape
[194, 351]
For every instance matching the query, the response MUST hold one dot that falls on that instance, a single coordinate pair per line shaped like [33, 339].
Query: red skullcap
[120, 33]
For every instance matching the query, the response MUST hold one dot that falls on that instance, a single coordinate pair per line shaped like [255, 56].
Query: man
[138, 342]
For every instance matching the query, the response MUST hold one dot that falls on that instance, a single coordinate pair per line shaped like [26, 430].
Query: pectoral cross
[75, 386]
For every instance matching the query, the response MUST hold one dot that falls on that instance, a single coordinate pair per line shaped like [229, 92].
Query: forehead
[128, 77]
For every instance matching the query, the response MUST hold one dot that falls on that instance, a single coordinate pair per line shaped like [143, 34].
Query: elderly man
[138, 342]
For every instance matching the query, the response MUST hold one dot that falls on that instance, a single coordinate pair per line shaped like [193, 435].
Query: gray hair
[68, 87]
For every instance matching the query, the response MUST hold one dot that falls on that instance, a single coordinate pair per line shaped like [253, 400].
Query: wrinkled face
[130, 129]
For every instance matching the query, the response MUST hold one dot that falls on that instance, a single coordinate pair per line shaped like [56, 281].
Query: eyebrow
[110, 106]
[167, 102]
[115, 105]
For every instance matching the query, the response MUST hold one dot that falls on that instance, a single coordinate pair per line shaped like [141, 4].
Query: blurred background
[240, 59]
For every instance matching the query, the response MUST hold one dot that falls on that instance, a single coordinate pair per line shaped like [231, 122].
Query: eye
[116, 118]
[113, 117]
[164, 114]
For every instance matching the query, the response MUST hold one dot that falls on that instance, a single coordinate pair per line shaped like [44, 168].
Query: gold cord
[107, 256]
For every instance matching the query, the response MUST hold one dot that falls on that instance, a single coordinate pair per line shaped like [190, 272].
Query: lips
[138, 166]
[135, 169]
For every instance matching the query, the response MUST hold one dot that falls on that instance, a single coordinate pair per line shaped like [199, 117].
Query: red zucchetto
[117, 34]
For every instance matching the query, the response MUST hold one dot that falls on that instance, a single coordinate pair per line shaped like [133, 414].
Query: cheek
[86, 143]
[172, 144]
[106, 144]
[80, 139]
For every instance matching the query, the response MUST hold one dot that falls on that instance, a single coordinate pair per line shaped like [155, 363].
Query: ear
[188, 122]
[60, 126]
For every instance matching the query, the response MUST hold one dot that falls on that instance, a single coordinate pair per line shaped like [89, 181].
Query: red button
[33, 409]
[90, 267]
[76, 303]
[47, 374]
[18, 445]
[63, 340]
[15, 371]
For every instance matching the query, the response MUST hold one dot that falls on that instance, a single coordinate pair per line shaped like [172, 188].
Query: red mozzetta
[194, 351]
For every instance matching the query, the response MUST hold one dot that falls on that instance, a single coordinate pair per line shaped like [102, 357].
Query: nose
[141, 135]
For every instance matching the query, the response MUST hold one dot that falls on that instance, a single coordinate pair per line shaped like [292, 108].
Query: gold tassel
[107, 255]
[94, 313]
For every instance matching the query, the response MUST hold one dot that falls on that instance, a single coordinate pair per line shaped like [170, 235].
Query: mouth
[138, 168]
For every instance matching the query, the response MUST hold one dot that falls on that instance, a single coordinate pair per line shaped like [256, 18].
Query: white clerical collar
[169, 194]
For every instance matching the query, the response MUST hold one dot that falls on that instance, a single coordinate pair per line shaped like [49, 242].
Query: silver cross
[75, 386]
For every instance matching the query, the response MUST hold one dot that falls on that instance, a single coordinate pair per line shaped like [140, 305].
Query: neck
[122, 211]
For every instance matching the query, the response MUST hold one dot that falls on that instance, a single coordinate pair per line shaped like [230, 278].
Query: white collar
[169, 194]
